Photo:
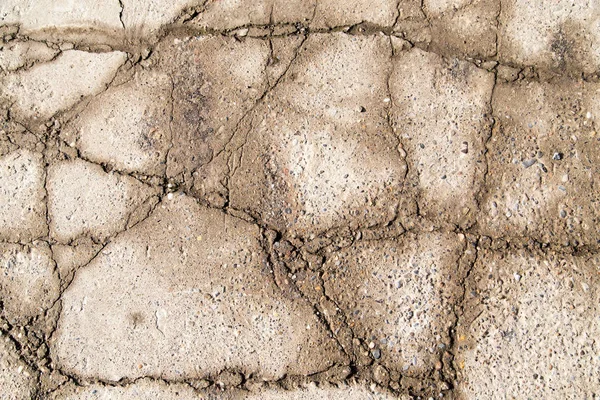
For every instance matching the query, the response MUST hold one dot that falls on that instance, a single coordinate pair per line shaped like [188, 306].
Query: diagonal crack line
[121, 13]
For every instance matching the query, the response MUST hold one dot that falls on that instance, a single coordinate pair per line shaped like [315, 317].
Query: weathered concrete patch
[398, 296]
[441, 115]
[230, 14]
[17, 380]
[562, 35]
[463, 27]
[531, 327]
[128, 126]
[186, 293]
[307, 162]
[543, 161]
[28, 282]
[70, 257]
[45, 89]
[216, 81]
[83, 200]
[22, 205]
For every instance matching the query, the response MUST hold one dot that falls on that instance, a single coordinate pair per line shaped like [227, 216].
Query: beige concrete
[531, 326]
[299, 199]
[85, 200]
[22, 206]
[29, 283]
[185, 294]
[45, 89]
[17, 380]
[441, 115]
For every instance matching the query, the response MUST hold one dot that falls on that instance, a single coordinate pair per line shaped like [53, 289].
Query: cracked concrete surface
[232, 199]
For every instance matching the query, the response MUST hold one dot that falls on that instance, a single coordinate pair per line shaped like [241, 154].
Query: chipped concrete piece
[85, 200]
[531, 327]
[398, 296]
[17, 380]
[316, 138]
[23, 54]
[185, 294]
[561, 35]
[71, 257]
[441, 115]
[47, 88]
[28, 282]
[543, 163]
[127, 126]
[22, 206]
[232, 14]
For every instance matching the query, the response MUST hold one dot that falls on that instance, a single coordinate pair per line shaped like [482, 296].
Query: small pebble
[517, 276]
[376, 354]
[170, 196]
[558, 156]
[563, 213]
[529, 163]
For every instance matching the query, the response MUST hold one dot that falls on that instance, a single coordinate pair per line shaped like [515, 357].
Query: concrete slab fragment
[216, 81]
[22, 195]
[315, 139]
[398, 296]
[530, 327]
[185, 294]
[562, 35]
[86, 201]
[441, 115]
[543, 161]
[47, 88]
[128, 126]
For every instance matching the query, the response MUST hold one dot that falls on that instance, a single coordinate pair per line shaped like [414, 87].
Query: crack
[496, 52]
[486, 150]
[122, 6]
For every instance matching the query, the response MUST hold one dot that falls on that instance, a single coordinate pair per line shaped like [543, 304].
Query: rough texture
[299, 199]
[17, 380]
[543, 162]
[85, 200]
[45, 89]
[398, 296]
[441, 115]
[316, 137]
[22, 207]
[28, 281]
[531, 327]
[127, 127]
[185, 294]
[561, 35]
